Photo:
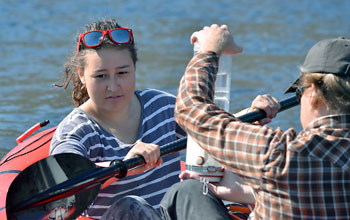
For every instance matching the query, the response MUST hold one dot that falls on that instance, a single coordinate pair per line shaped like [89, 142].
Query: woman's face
[109, 77]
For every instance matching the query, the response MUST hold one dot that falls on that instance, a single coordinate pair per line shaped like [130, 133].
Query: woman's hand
[151, 154]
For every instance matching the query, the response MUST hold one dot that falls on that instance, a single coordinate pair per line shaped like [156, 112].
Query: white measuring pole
[197, 160]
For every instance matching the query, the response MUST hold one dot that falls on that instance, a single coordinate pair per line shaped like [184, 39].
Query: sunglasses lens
[120, 36]
[93, 38]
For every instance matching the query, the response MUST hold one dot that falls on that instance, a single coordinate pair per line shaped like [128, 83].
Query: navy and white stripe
[79, 133]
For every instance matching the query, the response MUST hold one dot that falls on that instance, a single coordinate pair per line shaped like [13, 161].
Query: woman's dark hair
[79, 92]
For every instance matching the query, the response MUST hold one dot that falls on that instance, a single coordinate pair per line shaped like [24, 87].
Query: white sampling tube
[197, 160]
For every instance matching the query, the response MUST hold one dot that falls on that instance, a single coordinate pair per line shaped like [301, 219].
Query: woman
[112, 120]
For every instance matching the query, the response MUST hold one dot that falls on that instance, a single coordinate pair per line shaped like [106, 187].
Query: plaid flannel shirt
[295, 176]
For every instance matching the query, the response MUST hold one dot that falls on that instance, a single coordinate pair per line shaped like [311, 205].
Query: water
[223, 82]
[37, 37]
[221, 99]
[222, 90]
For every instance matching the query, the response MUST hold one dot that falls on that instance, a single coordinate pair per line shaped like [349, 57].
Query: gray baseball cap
[331, 56]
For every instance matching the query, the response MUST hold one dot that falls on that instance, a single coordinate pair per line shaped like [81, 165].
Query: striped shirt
[295, 176]
[80, 134]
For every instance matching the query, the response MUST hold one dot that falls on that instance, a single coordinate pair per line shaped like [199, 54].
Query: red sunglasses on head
[95, 38]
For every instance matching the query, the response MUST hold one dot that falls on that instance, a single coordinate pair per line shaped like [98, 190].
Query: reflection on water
[37, 36]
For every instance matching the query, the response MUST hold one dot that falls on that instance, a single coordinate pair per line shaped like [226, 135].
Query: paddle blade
[40, 177]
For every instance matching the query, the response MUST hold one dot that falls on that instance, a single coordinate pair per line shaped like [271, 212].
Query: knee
[177, 198]
[184, 189]
[125, 203]
[130, 208]
[131, 199]
[188, 186]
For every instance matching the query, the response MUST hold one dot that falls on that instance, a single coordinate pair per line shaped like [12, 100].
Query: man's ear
[315, 99]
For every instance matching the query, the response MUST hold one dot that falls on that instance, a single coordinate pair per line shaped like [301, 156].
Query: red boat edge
[27, 152]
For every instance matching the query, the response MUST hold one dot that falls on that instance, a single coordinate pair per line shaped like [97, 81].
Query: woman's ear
[81, 75]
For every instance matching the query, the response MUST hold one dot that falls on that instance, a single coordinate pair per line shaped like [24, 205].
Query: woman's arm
[150, 152]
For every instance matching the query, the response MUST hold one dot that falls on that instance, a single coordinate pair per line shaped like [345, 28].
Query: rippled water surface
[37, 36]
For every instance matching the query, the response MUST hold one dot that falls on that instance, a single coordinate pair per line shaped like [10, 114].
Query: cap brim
[293, 86]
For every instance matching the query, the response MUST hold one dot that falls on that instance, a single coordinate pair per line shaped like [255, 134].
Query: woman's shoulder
[76, 121]
[154, 94]
[76, 116]
[71, 132]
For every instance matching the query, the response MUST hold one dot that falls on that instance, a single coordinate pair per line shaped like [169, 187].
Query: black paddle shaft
[96, 176]
[260, 114]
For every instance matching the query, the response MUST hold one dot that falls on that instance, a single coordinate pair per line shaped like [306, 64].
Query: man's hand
[269, 104]
[230, 188]
[216, 39]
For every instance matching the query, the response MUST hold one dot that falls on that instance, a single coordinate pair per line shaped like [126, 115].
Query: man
[293, 176]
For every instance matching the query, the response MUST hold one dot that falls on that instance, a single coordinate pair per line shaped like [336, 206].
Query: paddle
[43, 176]
[38, 200]
[67, 191]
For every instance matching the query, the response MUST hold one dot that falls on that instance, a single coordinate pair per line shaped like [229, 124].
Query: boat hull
[19, 158]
